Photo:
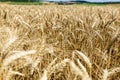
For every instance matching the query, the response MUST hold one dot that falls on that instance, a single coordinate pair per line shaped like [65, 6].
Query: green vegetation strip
[25, 3]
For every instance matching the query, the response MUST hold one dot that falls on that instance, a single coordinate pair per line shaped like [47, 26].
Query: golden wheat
[59, 42]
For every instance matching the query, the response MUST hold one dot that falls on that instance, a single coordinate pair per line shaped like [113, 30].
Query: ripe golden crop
[59, 42]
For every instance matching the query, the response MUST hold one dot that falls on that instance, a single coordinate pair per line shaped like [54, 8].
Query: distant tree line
[21, 0]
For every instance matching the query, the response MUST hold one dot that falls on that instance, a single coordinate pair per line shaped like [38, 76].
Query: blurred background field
[61, 2]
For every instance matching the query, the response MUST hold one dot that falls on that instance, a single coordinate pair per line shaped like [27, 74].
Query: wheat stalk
[16, 56]
[85, 58]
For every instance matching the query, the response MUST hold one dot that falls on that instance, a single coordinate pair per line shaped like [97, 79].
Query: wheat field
[59, 42]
